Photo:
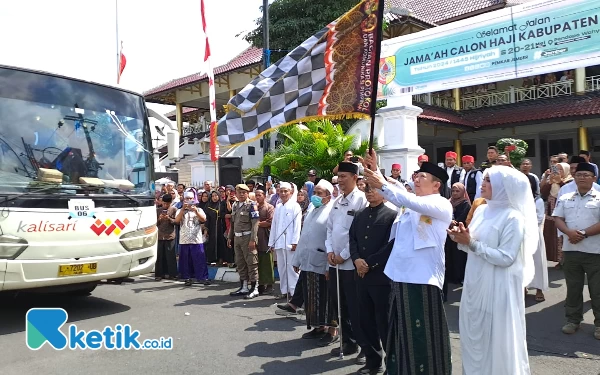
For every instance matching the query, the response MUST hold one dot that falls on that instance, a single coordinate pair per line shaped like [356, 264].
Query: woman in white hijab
[500, 242]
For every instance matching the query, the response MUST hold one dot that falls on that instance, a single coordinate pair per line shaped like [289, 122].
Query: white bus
[76, 183]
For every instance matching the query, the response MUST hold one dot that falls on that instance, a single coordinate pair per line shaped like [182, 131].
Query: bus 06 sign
[81, 209]
[534, 38]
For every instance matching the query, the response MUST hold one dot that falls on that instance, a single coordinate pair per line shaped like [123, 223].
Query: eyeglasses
[583, 175]
[367, 188]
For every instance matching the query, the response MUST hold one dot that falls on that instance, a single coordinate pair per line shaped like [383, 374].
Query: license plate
[77, 269]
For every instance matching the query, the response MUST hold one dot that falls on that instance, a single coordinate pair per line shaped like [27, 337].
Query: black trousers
[350, 319]
[374, 301]
[166, 262]
[298, 297]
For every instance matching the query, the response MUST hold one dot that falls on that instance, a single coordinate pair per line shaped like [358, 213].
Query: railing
[436, 100]
[422, 98]
[443, 101]
[549, 90]
[592, 83]
[512, 95]
[485, 100]
[200, 127]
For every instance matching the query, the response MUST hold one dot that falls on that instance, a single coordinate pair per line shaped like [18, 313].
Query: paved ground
[222, 335]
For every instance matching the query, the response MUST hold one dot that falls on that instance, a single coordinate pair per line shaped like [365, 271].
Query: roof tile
[436, 11]
[249, 56]
[429, 11]
[541, 110]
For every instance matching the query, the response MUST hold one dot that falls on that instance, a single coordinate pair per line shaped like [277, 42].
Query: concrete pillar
[458, 150]
[583, 138]
[579, 80]
[456, 96]
[400, 135]
[513, 97]
[179, 117]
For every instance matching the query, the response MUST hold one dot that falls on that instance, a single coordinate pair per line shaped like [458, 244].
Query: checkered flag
[330, 75]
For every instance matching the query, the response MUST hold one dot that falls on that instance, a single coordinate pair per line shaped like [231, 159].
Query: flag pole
[380, 11]
[117, 34]
[267, 63]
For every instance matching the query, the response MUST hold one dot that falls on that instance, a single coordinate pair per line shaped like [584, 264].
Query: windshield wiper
[139, 202]
[113, 189]
[9, 198]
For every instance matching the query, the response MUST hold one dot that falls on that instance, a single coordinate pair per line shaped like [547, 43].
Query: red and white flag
[214, 145]
[122, 62]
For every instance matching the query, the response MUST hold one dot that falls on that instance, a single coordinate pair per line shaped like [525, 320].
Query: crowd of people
[370, 258]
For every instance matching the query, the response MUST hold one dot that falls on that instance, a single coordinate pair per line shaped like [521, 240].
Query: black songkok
[434, 170]
[348, 167]
[586, 167]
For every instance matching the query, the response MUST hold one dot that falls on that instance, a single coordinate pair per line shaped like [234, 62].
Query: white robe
[285, 232]
[540, 280]
[492, 307]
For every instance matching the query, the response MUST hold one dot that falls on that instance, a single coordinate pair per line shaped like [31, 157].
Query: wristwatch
[383, 187]
[584, 234]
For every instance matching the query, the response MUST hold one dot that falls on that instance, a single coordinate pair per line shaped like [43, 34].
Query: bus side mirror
[173, 145]
[172, 136]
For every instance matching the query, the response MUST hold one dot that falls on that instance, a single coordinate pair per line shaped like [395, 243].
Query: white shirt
[478, 181]
[339, 222]
[286, 225]
[579, 213]
[418, 256]
[190, 232]
[571, 187]
[538, 183]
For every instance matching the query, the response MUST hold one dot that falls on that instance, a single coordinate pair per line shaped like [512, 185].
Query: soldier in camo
[243, 236]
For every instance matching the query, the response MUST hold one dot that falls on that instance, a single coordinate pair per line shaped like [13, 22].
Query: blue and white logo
[43, 325]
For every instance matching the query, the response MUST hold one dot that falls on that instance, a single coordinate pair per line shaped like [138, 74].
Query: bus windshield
[55, 130]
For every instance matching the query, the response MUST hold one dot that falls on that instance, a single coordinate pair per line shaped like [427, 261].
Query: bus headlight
[11, 246]
[140, 239]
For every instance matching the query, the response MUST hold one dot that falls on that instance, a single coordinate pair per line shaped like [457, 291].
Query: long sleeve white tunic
[492, 306]
[420, 230]
[286, 225]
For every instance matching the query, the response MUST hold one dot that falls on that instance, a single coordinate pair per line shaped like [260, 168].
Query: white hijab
[503, 180]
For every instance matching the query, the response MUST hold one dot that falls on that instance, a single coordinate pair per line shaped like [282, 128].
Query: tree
[518, 154]
[316, 145]
[291, 22]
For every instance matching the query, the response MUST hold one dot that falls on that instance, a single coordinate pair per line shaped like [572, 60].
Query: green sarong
[419, 340]
[266, 275]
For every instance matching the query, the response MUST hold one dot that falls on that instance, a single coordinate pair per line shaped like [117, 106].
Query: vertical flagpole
[117, 34]
[380, 11]
[214, 146]
[267, 62]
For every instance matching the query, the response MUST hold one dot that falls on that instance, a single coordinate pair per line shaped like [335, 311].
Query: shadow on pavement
[451, 307]
[13, 308]
[309, 365]
[275, 325]
[544, 336]
[556, 278]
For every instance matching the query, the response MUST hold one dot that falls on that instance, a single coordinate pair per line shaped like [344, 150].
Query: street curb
[226, 274]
